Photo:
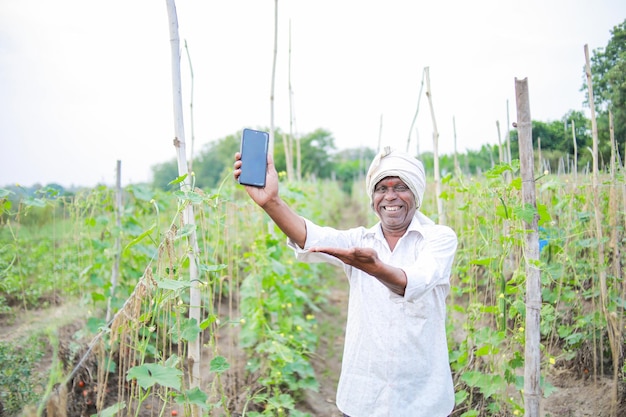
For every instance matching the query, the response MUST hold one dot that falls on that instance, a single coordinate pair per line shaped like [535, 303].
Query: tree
[351, 165]
[608, 69]
[215, 161]
[316, 149]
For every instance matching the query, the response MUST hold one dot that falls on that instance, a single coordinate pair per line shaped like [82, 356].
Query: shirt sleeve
[320, 236]
[432, 266]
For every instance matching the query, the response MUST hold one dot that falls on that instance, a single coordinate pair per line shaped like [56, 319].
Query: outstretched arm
[268, 199]
[366, 259]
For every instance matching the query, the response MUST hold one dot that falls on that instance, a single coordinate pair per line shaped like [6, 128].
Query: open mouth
[392, 208]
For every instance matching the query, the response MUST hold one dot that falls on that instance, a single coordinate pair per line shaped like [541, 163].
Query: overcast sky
[85, 83]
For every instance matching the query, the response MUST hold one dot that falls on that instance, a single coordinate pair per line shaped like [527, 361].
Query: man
[395, 360]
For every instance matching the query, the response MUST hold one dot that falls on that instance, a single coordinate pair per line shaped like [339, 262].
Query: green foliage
[20, 384]
[278, 323]
[60, 246]
[608, 69]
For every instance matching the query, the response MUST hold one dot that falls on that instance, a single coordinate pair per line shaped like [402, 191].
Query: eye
[401, 188]
[380, 190]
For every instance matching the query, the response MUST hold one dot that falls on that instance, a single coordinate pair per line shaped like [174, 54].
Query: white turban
[394, 163]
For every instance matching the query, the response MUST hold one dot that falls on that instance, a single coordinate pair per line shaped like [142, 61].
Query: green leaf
[141, 192]
[139, 238]
[4, 192]
[483, 261]
[193, 397]
[178, 180]
[208, 321]
[34, 202]
[212, 268]
[150, 374]
[516, 183]
[190, 330]
[111, 411]
[186, 230]
[526, 213]
[460, 396]
[544, 214]
[483, 351]
[191, 196]
[219, 364]
[172, 284]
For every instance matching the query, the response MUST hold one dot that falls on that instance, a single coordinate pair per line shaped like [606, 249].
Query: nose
[390, 194]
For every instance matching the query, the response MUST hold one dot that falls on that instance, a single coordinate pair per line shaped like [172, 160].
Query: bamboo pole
[616, 238]
[292, 118]
[117, 249]
[508, 134]
[613, 332]
[532, 354]
[417, 109]
[575, 150]
[457, 168]
[437, 174]
[193, 354]
[539, 161]
[380, 133]
[191, 88]
[273, 81]
[500, 149]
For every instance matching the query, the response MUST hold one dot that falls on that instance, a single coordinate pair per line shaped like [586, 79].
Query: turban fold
[393, 163]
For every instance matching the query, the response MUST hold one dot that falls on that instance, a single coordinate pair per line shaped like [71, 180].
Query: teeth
[392, 208]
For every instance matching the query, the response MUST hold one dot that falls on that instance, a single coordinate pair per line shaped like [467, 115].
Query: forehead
[390, 182]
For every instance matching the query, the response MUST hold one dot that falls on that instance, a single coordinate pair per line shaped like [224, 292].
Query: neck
[393, 236]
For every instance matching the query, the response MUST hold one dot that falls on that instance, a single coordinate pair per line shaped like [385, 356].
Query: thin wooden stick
[115, 272]
[271, 144]
[419, 99]
[457, 168]
[500, 149]
[575, 150]
[192, 124]
[437, 174]
[292, 118]
[532, 354]
[604, 296]
[380, 133]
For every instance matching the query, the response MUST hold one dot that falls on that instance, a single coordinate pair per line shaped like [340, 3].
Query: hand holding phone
[254, 148]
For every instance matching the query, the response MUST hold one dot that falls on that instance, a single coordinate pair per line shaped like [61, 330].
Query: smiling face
[394, 203]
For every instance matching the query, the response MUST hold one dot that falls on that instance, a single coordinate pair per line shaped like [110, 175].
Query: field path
[28, 322]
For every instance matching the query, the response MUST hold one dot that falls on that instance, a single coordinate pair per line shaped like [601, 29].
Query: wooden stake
[532, 354]
[193, 354]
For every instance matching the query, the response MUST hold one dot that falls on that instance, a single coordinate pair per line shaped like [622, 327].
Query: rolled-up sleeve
[432, 266]
[320, 236]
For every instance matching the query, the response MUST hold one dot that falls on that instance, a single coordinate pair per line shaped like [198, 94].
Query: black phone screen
[254, 146]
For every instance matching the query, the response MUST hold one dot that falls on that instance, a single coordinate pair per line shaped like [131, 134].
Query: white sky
[84, 83]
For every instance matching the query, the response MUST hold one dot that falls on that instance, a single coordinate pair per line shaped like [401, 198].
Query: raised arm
[269, 200]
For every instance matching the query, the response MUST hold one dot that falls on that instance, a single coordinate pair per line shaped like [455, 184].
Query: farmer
[395, 360]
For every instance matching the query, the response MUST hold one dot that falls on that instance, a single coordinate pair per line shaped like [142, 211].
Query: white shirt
[395, 360]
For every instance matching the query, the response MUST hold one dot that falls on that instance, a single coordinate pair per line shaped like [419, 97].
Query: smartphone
[254, 147]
